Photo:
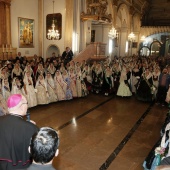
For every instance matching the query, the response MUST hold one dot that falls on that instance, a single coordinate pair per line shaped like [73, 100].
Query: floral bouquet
[160, 150]
[159, 154]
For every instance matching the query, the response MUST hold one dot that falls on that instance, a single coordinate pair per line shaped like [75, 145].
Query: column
[68, 24]
[40, 26]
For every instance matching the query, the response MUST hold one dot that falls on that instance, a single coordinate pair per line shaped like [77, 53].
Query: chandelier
[131, 36]
[113, 33]
[142, 38]
[52, 33]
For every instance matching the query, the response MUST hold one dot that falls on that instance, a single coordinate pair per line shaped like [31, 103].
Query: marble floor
[98, 132]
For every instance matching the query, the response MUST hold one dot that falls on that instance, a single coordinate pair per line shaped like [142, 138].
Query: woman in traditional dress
[81, 87]
[107, 87]
[60, 86]
[124, 87]
[87, 76]
[51, 69]
[29, 69]
[16, 86]
[135, 78]
[73, 82]
[62, 68]
[116, 75]
[5, 89]
[51, 88]
[40, 71]
[97, 78]
[72, 66]
[155, 79]
[3, 74]
[42, 92]
[67, 79]
[144, 90]
[3, 105]
[17, 71]
[29, 91]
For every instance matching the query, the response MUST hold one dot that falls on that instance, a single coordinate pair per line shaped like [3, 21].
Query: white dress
[51, 89]
[5, 89]
[60, 86]
[29, 91]
[41, 92]
[123, 89]
[16, 87]
[73, 83]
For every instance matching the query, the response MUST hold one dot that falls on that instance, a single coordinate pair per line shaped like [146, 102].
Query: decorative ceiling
[156, 13]
[153, 12]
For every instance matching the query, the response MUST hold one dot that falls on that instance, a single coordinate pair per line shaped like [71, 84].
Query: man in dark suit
[67, 56]
[20, 58]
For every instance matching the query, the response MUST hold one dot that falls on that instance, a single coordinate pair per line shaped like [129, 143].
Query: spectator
[43, 148]
[15, 135]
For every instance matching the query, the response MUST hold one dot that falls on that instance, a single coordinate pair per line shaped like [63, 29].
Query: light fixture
[53, 34]
[131, 36]
[113, 33]
[142, 38]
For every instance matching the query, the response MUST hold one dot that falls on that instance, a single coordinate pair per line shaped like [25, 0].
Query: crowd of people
[60, 78]
[27, 83]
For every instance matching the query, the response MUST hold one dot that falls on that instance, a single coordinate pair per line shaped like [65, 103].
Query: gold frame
[26, 32]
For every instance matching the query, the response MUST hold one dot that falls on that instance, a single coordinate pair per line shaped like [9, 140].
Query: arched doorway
[53, 49]
[144, 51]
[155, 48]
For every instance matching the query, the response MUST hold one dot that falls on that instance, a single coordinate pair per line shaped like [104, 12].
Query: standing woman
[97, 78]
[5, 89]
[144, 92]
[107, 81]
[51, 69]
[42, 92]
[40, 71]
[79, 79]
[29, 91]
[124, 87]
[135, 78]
[16, 86]
[155, 79]
[87, 77]
[67, 79]
[29, 69]
[17, 71]
[51, 88]
[3, 105]
[73, 86]
[60, 86]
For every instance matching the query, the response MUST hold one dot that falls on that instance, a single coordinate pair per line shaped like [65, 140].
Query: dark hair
[44, 144]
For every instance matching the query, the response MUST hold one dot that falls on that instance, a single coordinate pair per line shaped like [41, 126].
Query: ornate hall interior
[96, 132]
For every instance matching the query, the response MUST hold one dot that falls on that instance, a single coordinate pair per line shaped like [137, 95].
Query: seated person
[43, 148]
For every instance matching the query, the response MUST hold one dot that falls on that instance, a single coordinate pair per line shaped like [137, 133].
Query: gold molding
[96, 11]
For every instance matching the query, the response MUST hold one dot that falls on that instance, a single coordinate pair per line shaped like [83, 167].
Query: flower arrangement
[160, 150]
[159, 155]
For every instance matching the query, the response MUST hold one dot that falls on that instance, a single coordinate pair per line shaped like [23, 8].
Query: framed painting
[26, 32]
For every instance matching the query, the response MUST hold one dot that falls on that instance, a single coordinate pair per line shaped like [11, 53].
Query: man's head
[17, 104]
[44, 145]
[165, 71]
[19, 53]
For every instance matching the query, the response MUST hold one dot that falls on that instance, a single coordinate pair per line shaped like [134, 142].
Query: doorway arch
[53, 48]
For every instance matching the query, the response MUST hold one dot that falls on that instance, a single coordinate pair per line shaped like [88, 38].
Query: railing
[93, 51]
